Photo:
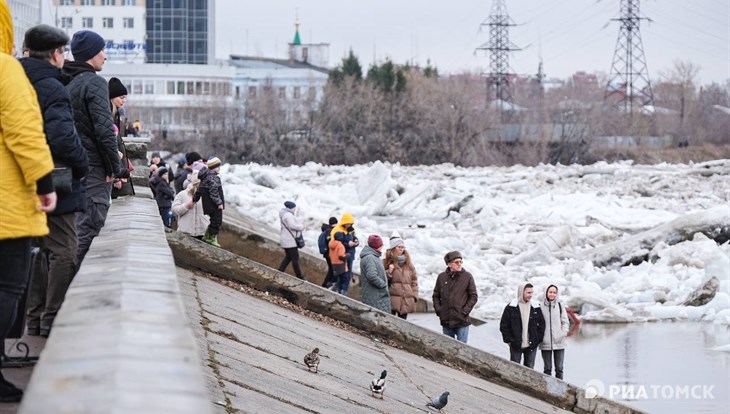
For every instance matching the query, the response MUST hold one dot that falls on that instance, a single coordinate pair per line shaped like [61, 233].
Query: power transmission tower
[629, 78]
[499, 48]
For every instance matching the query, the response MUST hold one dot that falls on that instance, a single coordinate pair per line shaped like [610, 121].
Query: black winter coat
[58, 125]
[92, 116]
[511, 325]
[164, 194]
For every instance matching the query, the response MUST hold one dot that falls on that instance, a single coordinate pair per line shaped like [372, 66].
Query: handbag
[62, 178]
[298, 239]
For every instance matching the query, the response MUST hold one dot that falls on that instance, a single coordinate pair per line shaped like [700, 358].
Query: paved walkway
[254, 349]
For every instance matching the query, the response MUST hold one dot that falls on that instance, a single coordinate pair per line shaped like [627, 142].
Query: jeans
[461, 334]
[14, 268]
[166, 217]
[54, 270]
[547, 358]
[292, 255]
[88, 226]
[529, 356]
[343, 283]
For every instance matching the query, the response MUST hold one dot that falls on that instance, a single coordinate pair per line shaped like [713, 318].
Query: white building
[25, 14]
[120, 22]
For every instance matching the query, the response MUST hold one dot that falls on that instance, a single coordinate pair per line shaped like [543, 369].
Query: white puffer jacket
[288, 219]
[191, 221]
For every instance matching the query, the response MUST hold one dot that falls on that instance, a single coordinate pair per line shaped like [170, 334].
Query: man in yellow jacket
[26, 186]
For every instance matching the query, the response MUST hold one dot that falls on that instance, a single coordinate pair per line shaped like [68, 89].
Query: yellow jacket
[346, 219]
[24, 153]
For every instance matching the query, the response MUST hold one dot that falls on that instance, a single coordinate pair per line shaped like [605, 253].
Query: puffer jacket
[454, 297]
[24, 153]
[210, 190]
[288, 220]
[164, 194]
[58, 125]
[403, 288]
[556, 323]
[93, 117]
[373, 281]
[511, 323]
[191, 221]
[349, 234]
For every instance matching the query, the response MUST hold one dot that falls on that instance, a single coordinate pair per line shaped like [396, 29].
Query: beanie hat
[289, 204]
[395, 242]
[214, 162]
[161, 171]
[44, 38]
[395, 235]
[339, 236]
[116, 88]
[333, 221]
[156, 154]
[191, 157]
[375, 241]
[451, 256]
[86, 44]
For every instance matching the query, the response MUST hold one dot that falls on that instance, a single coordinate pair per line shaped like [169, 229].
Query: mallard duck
[439, 402]
[311, 360]
[377, 386]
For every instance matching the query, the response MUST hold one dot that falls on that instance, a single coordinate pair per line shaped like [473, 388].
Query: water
[671, 367]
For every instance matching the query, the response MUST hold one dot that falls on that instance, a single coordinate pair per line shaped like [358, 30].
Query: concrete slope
[254, 351]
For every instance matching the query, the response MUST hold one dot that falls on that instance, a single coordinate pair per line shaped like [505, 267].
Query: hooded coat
[403, 288]
[24, 153]
[295, 227]
[191, 221]
[556, 323]
[58, 125]
[373, 281]
[349, 234]
[511, 323]
[454, 297]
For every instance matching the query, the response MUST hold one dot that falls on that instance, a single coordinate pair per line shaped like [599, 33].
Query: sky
[570, 35]
[539, 224]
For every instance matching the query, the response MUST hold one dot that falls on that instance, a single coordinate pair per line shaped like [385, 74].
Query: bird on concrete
[377, 386]
[439, 402]
[311, 360]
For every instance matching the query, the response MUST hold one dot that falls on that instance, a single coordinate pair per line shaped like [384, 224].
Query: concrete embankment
[191, 253]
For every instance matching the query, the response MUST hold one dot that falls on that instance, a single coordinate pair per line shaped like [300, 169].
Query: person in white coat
[190, 216]
[291, 229]
[552, 346]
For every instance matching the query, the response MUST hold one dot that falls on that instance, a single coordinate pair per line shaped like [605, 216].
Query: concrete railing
[191, 253]
[121, 341]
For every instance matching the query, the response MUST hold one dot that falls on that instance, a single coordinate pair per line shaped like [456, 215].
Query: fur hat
[375, 241]
[289, 204]
[86, 44]
[214, 162]
[394, 242]
[116, 88]
[451, 256]
[44, 38]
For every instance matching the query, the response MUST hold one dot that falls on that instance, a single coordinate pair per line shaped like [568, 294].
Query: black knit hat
[116, 88]
[43, 38]
[191, 157]
[86, 44]
[333, 221]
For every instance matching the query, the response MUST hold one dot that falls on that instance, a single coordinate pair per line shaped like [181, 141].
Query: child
[190, 217]
[556, 329]
[164, 195]
[339, 259]
[211, 191]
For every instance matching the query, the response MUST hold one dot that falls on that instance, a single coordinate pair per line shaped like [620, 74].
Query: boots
[9, 392]
[212, 240]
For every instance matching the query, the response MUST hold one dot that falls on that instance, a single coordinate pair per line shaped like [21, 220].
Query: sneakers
[8, 392]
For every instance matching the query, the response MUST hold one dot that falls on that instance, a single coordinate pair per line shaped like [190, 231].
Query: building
[26, 14]
[181, 31]
[120, 22]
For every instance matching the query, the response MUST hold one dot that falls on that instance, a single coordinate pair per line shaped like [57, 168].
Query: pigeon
[311, 360]
[439, 402]
[377, 386]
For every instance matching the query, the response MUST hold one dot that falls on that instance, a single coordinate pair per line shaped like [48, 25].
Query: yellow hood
[347, 219]
[6, 28]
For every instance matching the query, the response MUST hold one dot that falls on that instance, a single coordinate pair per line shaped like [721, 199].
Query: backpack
[323, 242]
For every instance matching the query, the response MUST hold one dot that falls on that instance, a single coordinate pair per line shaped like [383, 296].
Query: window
[251, 91]
[282, 92]
[107, 22]
[180, 88]
[88, 2]
[129, 2]
[137, 87]
[190, 88]
[128, 22]
[87, 22]
[206, 88]
[149, 88]
[312, 93]
[66, 22]
[108, 2]
[170, 87]
[66, 3]
[160, 87]
[296, 94]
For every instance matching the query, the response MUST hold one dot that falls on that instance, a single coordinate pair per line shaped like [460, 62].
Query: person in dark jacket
[164, 194]
[94, 124]
[373, 281]
[323, 243]
[187, 168]
[523, 326]
[211, 191]
[117, 99]
[57, 264]
[454, 297]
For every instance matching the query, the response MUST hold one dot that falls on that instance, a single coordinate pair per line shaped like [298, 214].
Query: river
[667, 367]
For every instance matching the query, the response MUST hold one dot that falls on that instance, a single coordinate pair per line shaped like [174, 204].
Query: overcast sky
[570, 35]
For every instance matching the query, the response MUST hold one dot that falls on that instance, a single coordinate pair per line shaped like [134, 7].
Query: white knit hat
[394, 242]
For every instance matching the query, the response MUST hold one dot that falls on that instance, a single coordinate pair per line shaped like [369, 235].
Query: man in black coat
[94, 123]
[46, 47]
[523, 326]
[186, 169]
